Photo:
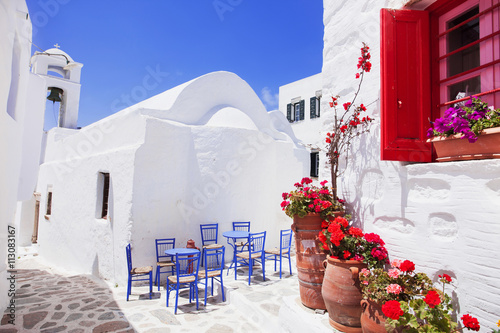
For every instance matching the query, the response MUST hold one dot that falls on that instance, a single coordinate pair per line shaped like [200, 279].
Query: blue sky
[267, 43]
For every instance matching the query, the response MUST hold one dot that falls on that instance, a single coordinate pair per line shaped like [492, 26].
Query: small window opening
[314, 164]
[104, 182]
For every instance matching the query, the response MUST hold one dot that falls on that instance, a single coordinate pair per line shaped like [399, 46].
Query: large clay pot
[372, 317]
[310, 257]
[342, 294]
[454, 148]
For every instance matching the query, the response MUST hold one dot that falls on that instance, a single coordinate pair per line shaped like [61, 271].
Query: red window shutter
[405, 85]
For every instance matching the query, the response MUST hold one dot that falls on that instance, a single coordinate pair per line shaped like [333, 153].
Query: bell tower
[62, 81]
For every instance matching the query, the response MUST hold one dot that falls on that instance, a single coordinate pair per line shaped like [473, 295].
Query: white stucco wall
[15, 33]
[206, 151]
[442, 216]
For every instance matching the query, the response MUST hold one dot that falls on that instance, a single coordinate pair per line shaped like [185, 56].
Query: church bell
[55, 94]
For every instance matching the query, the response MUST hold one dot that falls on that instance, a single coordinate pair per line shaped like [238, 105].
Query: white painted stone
[206, 151]
[442, 216]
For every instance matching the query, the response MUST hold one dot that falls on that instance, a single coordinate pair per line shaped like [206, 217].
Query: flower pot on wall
[310, 257]
[342, 294]
[454, 148]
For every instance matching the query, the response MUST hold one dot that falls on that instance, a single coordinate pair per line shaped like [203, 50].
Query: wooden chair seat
[213, 246]
[276, 251]
[182, 279]
[202, 275]
[246, 255]
[165, 264]
[141, 270]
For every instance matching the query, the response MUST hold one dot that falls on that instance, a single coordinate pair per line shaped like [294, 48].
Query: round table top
[181, 250]
[236, 234]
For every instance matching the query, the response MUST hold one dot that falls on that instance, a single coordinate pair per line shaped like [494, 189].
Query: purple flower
[430, 133]
[470, 136]
[460, 125]
[442, 125]
[476, 115]
[469, 102]
[449, 113]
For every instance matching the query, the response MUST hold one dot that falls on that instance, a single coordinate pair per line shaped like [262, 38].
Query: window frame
[430, 105]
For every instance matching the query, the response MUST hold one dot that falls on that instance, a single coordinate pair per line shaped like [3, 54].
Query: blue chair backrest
[187, 264]
[209, 233]
[129, 258]
[214, 259]
[286, 239]
[241, 226]
[257, 241]
[162, 245]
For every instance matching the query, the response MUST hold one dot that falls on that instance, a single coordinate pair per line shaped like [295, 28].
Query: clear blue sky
[267, 43]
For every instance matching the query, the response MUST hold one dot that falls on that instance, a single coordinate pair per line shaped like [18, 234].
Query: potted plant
[351, 251]
[472, 120]
[408, 302]
[399, 283]
[309, 205]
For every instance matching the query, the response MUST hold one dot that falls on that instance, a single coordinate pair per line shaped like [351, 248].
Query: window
[314, 164]
[48, 206]
[295, 111]
[103, 195]
[429, 60]
[315, 103]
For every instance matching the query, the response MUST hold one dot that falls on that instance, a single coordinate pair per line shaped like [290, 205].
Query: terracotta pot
[372, 317]
[342, 293]
[310, 259]
[453, 148]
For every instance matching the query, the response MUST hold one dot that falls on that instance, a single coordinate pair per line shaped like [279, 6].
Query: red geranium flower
[392, 309]
[470, 322]
[341, 221]
[432, 299]
[446, 277]
[356, 232]
[407, 266]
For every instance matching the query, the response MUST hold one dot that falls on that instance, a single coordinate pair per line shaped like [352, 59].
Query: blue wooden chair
[163, 260]
[186, 268]
[254, 253]
[138, 273]
[240, 243]
[209, 238]
[283, 251]
[214, 265]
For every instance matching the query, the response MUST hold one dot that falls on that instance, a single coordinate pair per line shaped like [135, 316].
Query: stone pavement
[51, 300]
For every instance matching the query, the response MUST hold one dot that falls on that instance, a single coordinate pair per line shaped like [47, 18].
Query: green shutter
[289, 112]
[319, 107]
[302, 109]
[312, 107]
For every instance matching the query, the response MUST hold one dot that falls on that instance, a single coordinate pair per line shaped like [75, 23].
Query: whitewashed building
[19, 166]
[300, 102]
[443, 216]
[205, 151]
